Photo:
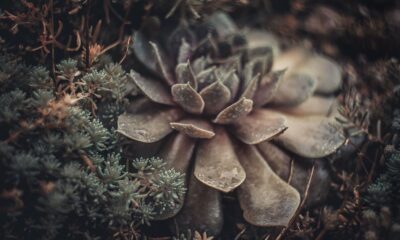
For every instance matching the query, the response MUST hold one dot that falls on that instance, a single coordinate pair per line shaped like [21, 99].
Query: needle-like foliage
[63, 175]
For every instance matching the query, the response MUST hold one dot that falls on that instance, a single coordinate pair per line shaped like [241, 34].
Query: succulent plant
[241, 111]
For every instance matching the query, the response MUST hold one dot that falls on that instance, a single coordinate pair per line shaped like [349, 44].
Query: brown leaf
[215, 96]
[153, 89]
[184, 74]
[216, 163]
[150, 126]
[266, 199]
[260, 125]
[311, 136]
[202, 209]
[187, 98]
[235, 111]
[195, 128]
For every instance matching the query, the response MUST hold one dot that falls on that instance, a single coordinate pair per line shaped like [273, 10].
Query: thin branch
[291, 171]
[87, 43]
[53, 37]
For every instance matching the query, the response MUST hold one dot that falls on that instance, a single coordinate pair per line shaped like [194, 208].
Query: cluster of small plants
[63, 173]
[381, 214]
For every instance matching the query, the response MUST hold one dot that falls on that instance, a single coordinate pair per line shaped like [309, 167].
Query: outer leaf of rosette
[152, 57]
[216, 163]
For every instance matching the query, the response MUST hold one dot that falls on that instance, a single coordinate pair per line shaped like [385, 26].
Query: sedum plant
[63, 175]
[228, 103]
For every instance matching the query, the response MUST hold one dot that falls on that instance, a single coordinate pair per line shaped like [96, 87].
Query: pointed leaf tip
[215, 96]
[153, 89]
[195, 128]
[216, 163]
[311, 136]
[260, 125]
[235, 111]
[187, 98]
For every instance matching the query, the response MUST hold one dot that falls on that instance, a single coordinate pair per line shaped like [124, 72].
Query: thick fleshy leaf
[215, 97]
[251, 87]
[232, 82]
[184, 52]
[149, 126]
[235, 111]
[294, 89]
[257, 66]
[232, 63]
[179, 42]
[216, 163]
[260, 125]
[277, 159]
[206, 77]
[265, 198]
[259, 42]
[143, 52]
[176, 153]
[290, 58]
[327, 73]
[153, 89]
[314, 105]
[267, 88]
[281, 164]
[199, 64]
[184, 74]
[311, 136]
[195, 128]
[140, 105]
[162, 64]
[150, 56]
[222, 23]
[187, 98]
[300, 61]
[202, 210]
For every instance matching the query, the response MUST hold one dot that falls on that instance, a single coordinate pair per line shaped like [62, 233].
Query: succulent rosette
[229, 109]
